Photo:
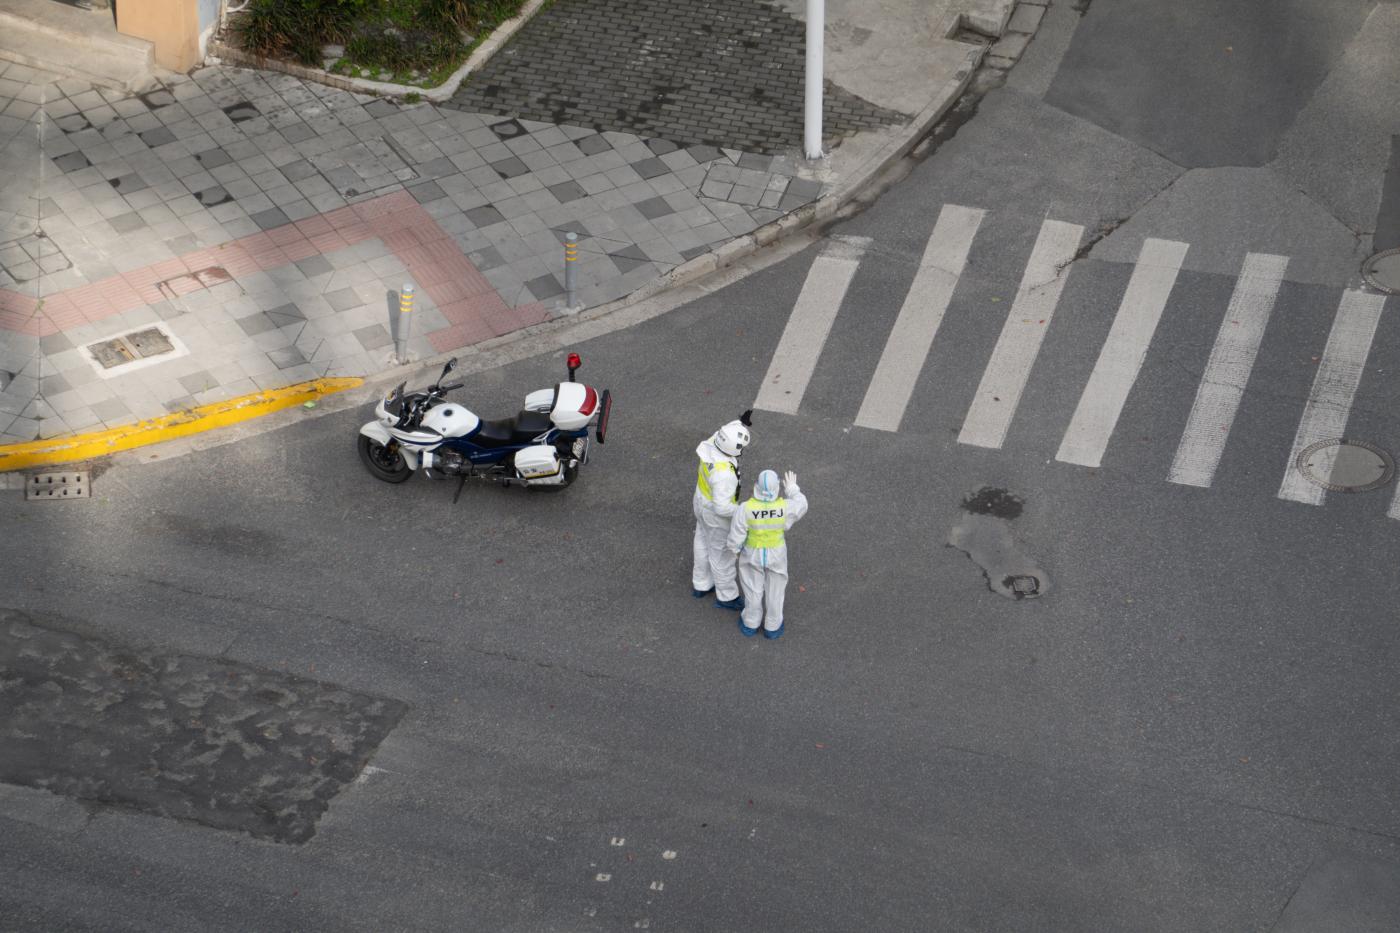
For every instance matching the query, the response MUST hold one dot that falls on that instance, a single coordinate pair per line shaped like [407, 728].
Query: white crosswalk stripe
[1338, 375]
[1121, 358]
[1227, 370]
[945, 255]
[1005, 376]
[1104, 397]
[807, 328]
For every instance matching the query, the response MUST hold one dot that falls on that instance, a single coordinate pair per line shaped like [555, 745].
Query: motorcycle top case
[537, 462]
[575, 404]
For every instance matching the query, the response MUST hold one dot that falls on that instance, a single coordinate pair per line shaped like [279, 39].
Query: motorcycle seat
[509, 432]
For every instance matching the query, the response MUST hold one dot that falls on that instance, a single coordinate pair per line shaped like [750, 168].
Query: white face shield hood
[766, 489]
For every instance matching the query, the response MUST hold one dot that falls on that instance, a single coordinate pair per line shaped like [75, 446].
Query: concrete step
[76, 43]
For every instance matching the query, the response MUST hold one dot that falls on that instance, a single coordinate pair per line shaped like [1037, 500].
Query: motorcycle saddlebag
[539, 463]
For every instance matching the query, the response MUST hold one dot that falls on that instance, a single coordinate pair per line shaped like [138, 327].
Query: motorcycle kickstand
[458, 494]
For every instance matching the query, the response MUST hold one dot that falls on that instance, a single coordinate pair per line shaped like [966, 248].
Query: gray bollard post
[570, 257]
[405, 324]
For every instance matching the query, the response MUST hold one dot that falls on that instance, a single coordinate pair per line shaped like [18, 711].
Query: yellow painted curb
[77, 447]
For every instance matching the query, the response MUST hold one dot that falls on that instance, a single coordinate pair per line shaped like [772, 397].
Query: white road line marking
[1231, 360]
[1334, 387]
[808, 326]
[1014, 355]
[945, 255]
[1395, 506]
[1120, 360]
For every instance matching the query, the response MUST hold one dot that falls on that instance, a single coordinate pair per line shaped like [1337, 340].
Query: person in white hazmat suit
[715, 499]
[758, 526]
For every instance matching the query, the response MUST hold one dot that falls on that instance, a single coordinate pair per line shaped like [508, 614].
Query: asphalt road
[1195, 729]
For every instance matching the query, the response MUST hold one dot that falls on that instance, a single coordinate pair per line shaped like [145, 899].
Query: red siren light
[574, 361]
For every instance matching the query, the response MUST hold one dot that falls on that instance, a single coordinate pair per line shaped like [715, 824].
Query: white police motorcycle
[542, 446]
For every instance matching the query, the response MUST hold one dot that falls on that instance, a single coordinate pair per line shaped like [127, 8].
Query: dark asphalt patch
[221, 743]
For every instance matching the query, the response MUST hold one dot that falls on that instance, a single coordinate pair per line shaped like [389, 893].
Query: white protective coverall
[714, 564]
[763, 571]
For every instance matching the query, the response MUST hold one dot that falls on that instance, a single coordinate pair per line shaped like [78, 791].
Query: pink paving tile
[199, 259]
[533, 313]
[268, 256]
[14, 301]
[183, 285]
[168, 269]
[341, 217]
[287, 233]
[413, 257]
[399, 240]
[355, 232]
[328, 242]
[430, 275]
[445, 251]
[237, 262]
[400, 220]
[300, 249]
[460, 335]
[313, 225]
[88, 298]
[460, 312]
[449, 291]
[139, 278]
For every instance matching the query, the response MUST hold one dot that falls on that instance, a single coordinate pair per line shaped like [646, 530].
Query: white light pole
[812, 122]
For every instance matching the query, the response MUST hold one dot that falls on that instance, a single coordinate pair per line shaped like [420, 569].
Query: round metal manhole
[1343, 465]
[1382, 271]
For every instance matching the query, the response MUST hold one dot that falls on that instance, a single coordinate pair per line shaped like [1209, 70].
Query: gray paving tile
[197, 382]
[286, 315]
[343, 299]
[269, 218]
[484, 216]
[426, 192]
[126, 223]
[314, 265]
[654, 207]
[373, 337]
[286, 357]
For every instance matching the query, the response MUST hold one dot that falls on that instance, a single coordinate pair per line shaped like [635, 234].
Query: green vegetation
[417, 42]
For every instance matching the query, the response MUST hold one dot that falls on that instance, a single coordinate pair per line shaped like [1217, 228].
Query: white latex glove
[789, 483]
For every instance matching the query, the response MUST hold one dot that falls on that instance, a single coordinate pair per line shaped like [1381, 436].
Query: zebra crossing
[1145, 299]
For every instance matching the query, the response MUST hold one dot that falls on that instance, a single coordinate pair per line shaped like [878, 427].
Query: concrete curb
[75, 448]
[221, 51]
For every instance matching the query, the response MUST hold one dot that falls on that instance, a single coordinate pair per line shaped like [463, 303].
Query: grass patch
[419, 42]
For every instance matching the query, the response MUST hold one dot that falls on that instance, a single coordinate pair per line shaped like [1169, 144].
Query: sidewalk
[262, 225]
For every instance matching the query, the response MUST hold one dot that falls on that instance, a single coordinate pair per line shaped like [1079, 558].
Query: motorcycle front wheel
[386, 462]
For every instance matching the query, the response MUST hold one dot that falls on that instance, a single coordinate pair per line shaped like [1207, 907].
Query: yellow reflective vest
[765, 522]
[702, 480]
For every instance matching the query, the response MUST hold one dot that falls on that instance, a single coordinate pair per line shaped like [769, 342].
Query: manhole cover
[1343, 465]
[73, 484]
[1382, 271]
[131, 347]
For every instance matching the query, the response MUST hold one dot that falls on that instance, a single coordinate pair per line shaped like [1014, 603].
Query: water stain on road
[218, 742]
[984, 534]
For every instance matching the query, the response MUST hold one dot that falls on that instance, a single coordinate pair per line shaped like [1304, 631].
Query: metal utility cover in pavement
[72, 484]
[129, 348]
[1382, 271]
[1343, 465]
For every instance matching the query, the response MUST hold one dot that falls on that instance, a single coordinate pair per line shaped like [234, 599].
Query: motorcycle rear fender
[377, 431]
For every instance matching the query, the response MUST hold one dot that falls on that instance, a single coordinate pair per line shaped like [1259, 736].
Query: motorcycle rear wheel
[384, 462]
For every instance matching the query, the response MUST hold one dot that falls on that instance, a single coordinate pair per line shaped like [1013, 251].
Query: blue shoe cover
[701, 594]
[737, 603]
[748, 632]
[776, 633]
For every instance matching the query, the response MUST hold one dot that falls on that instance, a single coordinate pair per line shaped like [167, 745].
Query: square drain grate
[129, 348]
[72, 484]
